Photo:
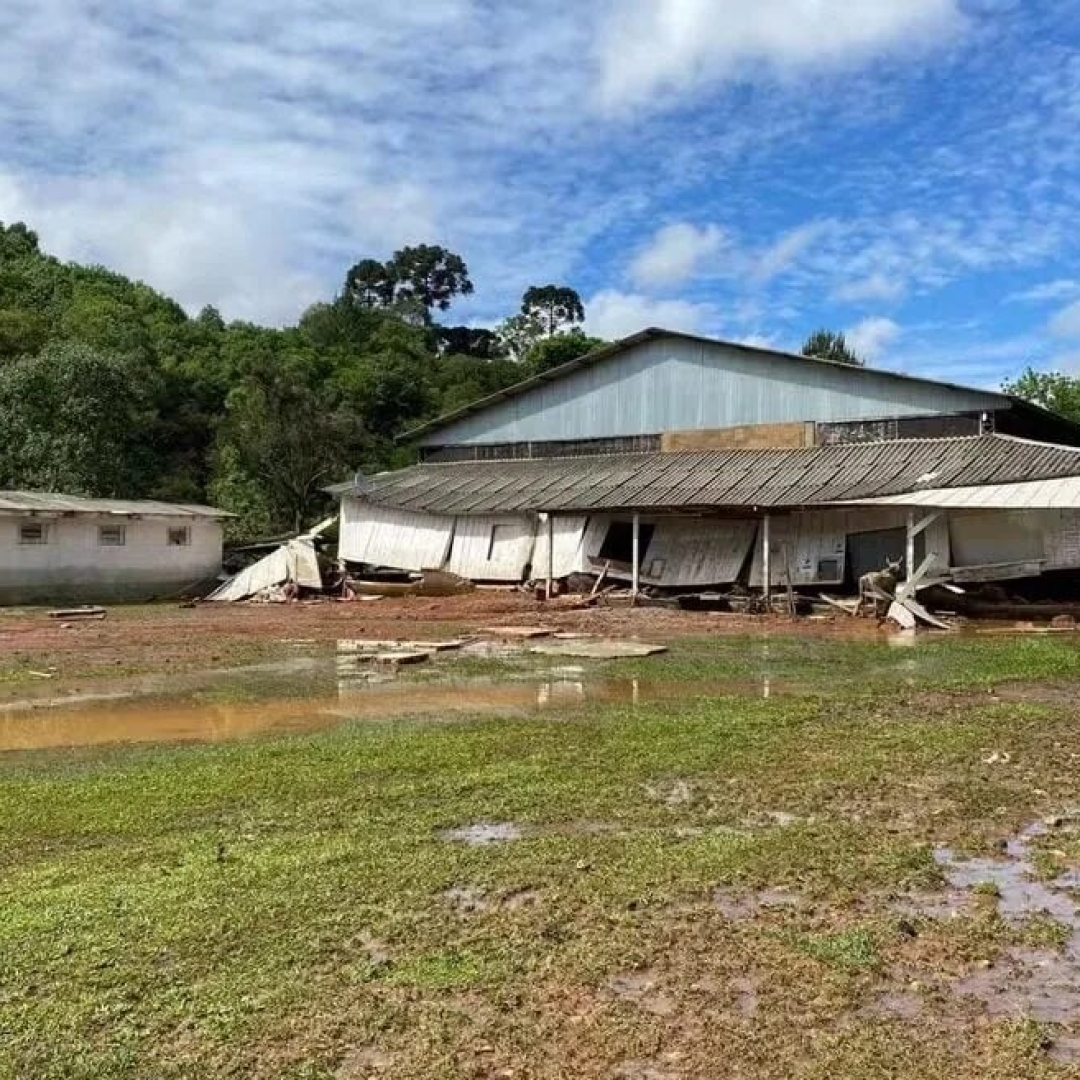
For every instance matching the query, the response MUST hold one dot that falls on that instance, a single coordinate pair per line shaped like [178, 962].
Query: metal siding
[989, 538]
[492, 548]
[697, 551]
[569, 533]
[671, 384]
[383, 536]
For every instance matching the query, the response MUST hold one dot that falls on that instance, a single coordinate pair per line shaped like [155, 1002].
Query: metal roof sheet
[1061, 493]
[47, 502]
[718, 479]
[653, 333]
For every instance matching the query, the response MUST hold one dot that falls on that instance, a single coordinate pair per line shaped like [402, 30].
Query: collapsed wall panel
[399, 539]
[492, 548]
[674, 552]
[569, 535]
[819, 543]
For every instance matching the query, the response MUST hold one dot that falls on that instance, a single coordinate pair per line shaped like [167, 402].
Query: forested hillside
[108, 388]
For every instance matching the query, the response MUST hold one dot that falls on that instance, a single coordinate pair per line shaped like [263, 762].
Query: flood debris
[431, 583]
[79, 614]
[402, 657]
[517, 633]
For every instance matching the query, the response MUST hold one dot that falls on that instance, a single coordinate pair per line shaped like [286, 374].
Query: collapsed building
[674, 462]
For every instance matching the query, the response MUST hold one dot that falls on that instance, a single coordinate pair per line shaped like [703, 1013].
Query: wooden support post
[909, 550]
[635, 570]
[766, 560]
[550, 556]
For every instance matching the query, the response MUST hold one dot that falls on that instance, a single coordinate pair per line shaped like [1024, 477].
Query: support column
[766, 560]
[550, 556]
[909, 549]
[635, 570]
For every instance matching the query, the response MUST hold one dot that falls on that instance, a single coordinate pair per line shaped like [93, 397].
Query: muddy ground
[232, 846]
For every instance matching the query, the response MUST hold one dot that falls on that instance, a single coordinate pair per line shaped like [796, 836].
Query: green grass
[270, 908]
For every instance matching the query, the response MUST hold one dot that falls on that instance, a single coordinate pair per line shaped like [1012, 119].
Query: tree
[417, 279]
[369, 284]
[551, 352]
[1050, 389]
[289, 436]
[481, 343]
[519, 334]
[553, 307]
[75, 420]
[16, 241]
[430, 275]
[827, 345]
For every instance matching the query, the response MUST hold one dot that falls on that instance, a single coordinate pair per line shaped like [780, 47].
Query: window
[34, 533]
[498, 534]
[179, 536]
[112, 535]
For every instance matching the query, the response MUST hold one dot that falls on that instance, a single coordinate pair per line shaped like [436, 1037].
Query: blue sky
[905, 170]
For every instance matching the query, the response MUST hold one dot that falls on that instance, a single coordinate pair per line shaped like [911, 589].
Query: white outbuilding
[62, 549]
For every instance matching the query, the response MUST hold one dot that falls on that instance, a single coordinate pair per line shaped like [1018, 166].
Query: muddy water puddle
[308, 696]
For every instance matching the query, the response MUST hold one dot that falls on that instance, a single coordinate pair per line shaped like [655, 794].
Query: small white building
[62, 549]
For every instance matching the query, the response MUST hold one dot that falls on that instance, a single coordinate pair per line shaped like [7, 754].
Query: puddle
[1042, 984]
[481, 833]
[307, 694]
[738, 904]
[641, 987]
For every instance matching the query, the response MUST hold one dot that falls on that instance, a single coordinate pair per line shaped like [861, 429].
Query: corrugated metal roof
[47, 502]
[654, 333]
[718, 479]
[1056, 494]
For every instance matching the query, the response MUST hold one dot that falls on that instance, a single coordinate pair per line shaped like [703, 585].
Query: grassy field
[716, 885]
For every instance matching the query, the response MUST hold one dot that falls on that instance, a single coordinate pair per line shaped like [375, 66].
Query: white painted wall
[74, 567]
[493, 548]
[401, 539]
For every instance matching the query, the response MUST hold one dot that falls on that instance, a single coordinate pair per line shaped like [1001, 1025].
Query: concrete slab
[601, 649]
[517, 633]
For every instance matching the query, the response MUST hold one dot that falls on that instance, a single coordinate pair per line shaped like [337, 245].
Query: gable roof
[655, 333]
[47, 502]
[716, 479]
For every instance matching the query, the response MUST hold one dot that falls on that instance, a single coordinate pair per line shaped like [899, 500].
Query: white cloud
[613, 314]
[674, 253]
[875, 286]
[783, 253]
[871, 338]
[1061, 289]
[657, 46]
[1066, 323]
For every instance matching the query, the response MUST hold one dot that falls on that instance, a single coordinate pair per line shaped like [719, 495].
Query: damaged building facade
[676, 462]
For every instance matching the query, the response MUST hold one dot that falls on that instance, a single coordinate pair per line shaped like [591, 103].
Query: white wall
[73, 566]
[497, 548]
[401, 539]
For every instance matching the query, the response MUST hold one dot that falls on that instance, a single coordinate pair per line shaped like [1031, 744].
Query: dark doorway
[870, 551]
[618, 545]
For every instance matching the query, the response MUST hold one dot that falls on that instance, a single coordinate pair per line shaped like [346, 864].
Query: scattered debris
[396, 659]
[427, 583]
[520, 633]
[87, 612]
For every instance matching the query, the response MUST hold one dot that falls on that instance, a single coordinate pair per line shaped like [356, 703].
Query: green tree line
[108, 388]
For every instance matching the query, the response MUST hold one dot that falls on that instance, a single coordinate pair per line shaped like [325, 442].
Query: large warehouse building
[681, 462]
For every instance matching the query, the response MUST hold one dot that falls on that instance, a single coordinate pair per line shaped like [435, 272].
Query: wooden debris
[848, 607]
[397, 659]
[87, 612]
